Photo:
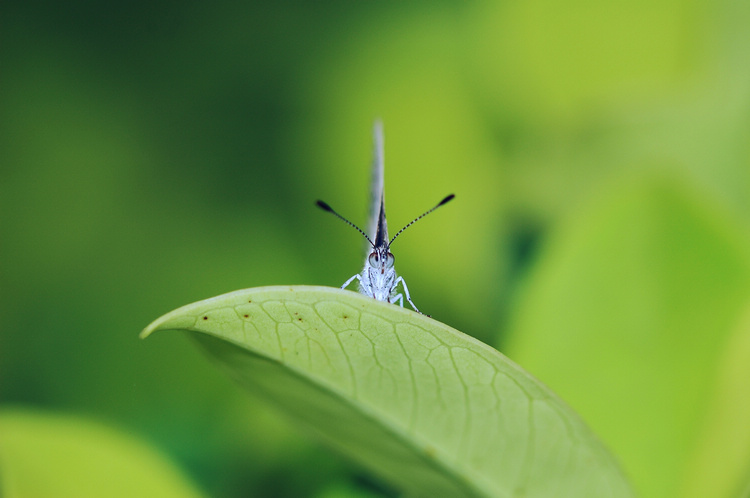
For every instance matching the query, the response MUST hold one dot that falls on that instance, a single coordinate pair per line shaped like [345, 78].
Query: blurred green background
[154, 154]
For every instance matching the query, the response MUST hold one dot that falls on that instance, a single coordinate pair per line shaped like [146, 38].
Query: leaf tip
[150, 328]
[175, 320]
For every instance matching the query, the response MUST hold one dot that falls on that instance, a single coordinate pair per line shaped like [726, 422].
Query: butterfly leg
[406, 291]
[346, 284]
[398, 299]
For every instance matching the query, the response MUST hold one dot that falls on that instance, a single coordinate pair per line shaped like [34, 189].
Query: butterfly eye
[389, 260]
[374, 259]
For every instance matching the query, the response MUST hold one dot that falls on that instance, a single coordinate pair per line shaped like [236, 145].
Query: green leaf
[43, 455]
[627, 315]
[721, 461]
[434, 411]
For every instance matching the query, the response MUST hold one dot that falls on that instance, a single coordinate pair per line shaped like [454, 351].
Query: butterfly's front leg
[398, 299]
[346, 284]
[406, 291]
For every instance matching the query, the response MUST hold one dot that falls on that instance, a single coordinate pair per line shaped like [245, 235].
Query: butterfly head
[381, 259]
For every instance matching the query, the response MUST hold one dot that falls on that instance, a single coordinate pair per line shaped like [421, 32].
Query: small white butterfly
[378, 278]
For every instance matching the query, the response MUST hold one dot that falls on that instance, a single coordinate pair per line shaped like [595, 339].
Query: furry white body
[381, 284]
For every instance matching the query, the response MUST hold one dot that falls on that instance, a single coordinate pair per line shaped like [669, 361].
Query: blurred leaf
[53, 455]
[626, 316]
[721, 462]
[434, 411]
[558, 60]
[347, 490]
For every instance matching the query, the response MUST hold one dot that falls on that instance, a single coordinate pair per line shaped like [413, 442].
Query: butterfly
[378, 278]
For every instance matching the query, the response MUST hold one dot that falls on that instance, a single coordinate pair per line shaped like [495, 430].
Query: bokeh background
[153, 154]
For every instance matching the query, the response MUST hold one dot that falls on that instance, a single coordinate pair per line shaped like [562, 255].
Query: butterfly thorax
[378, 278]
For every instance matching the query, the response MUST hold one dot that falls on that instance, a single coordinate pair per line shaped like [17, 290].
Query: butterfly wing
[377, 228]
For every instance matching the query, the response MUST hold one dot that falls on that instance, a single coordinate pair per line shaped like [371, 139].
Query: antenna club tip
[324, 206]
[447, 199]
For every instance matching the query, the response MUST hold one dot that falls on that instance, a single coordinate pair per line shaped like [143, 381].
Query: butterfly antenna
[444, 201]
[325, 207]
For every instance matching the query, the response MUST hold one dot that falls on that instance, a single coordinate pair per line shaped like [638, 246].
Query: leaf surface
[432, 410]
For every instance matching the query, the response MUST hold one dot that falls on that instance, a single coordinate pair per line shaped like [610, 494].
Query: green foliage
[718, 463]
[630, 316]
[44, 455]
[156, 153]
[433, 410]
